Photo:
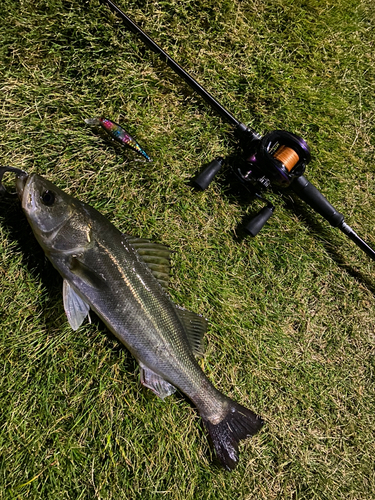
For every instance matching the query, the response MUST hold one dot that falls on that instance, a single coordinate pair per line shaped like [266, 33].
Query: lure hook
[4, 170]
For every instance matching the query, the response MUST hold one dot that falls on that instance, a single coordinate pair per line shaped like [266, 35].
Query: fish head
[58, 220]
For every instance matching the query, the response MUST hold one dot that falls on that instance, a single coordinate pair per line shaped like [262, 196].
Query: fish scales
[115, 275]
[140, 306]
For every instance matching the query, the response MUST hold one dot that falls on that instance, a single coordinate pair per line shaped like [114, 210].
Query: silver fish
[123, 280]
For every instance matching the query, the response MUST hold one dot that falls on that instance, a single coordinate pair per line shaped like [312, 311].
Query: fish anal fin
[157, 384]
[76, 309]
[195, 327]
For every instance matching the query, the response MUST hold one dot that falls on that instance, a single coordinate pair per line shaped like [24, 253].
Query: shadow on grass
[330, 237]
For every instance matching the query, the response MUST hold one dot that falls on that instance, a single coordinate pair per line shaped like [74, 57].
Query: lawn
[291, 312]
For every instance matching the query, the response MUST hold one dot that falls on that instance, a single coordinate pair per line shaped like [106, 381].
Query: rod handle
[310, 195]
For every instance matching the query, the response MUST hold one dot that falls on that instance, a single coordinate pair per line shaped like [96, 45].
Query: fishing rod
[276, 160]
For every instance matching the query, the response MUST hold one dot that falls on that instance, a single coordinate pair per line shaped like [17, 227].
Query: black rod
[357, 240]
[172, 64]
[149, 42]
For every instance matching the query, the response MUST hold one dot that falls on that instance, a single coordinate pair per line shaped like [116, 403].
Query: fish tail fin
[92, 121]
[239, 423]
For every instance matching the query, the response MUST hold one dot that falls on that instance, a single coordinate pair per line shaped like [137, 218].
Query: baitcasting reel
[276, 160]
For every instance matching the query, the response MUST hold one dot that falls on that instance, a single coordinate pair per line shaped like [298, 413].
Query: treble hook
[3, 170]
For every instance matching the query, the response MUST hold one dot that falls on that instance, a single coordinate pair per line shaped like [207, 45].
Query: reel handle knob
[204, 179]
[256, 223]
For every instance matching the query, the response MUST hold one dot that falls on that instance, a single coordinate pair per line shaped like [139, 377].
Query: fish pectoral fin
[76, 309]
[195, 327]
[157, 384]
[155, 256]
[86, 273]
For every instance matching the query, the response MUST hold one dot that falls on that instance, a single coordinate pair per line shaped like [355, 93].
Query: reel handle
[206, 176]
[256, 223]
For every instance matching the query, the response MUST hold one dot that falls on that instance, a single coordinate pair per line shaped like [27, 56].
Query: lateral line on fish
[124, 277]
[119, 269]
[126, 280]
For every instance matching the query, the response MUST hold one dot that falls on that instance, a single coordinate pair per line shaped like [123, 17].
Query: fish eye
[48, 197]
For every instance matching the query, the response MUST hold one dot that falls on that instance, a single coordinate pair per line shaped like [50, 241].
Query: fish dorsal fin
[195, 326]
[155, 256]
[76, 309]
[155, 382]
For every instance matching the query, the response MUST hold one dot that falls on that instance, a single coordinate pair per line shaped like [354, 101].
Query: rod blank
[134, 28]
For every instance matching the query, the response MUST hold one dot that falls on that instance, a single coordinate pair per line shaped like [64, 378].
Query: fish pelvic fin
[76, 309]
[239, 423]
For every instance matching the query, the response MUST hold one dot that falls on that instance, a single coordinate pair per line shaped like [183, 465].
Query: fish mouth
[21, 177]
[20, 184]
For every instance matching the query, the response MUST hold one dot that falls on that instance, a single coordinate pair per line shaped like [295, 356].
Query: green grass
[292, 312]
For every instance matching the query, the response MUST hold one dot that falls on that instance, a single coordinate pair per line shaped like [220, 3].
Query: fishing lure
[118, 134]
[3, 170]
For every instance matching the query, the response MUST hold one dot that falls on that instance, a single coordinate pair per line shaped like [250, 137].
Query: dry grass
[291, 312]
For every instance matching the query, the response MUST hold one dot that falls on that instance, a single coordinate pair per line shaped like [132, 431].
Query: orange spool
[288, 157]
